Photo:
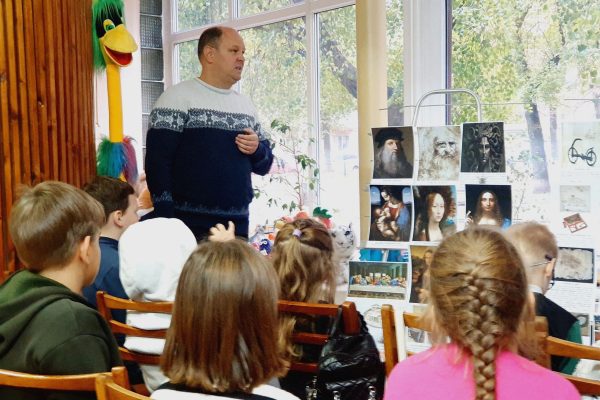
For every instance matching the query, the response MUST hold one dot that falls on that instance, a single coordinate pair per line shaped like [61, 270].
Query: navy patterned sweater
[194, 169]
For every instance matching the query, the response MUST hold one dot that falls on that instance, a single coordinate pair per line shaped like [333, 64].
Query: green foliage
[275, 71]
[299, 179]
[508, 50]
[189, 66]
[195, 13]
[252, 7]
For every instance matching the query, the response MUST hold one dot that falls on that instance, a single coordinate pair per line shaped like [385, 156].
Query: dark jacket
[45, 328]
[561, 324]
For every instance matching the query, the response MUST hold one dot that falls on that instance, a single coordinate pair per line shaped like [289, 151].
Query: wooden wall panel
[46, 101]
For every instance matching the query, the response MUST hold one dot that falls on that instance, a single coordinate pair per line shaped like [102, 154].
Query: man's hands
[218, 233]
[247, 142]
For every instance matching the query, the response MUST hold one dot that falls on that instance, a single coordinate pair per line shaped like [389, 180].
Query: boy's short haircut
[49, 220]
[112, 193]
[533, 241]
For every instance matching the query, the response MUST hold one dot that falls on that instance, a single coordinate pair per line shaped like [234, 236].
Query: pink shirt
[441, 374]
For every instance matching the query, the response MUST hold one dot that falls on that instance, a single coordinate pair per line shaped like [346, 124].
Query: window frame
[425, 44]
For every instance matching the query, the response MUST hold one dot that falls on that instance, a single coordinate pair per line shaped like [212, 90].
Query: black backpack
[349, 366]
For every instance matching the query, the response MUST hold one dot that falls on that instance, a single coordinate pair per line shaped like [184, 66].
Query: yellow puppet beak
[117, 46]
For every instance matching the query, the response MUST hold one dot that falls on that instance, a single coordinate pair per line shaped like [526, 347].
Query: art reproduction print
[488, 205]
[435, 212]
[483, 147]
[391, 213]
[574, 265]
[420, 261]
[393, 152]
[580, 143]
[378, 279]
[575, 198]
[439, 153]
[392, 255]
[574, 223]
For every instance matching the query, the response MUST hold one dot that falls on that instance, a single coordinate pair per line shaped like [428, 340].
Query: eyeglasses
[548, 259]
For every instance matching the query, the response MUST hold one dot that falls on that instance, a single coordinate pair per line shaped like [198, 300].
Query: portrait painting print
[483, 147]
[435, 212]
[439, 153]
[420, 260]
[391, 213]
[488, 205]
[393, 153]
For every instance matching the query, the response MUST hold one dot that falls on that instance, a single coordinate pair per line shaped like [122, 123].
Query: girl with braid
[478, 299]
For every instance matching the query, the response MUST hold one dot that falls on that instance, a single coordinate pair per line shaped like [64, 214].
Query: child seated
[302, 256]
[46, 326]
[152, 254]
[538, 250]
[120, 206]
[222, 343]
[478, 298]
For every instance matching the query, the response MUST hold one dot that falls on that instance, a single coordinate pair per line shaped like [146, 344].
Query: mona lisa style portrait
[435, 210]
[488, 205]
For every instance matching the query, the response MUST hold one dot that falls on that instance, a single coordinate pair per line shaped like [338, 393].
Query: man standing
[390, 159]
[204, 141]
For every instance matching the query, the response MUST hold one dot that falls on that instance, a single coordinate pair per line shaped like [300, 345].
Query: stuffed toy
[113, 47]
[344, 249]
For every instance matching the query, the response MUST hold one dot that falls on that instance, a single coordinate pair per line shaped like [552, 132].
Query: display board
[429, 182]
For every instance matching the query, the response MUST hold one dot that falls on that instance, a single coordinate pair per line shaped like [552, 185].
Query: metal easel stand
[447, 91]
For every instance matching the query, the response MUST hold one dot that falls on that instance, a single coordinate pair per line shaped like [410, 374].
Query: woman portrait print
[436, 209]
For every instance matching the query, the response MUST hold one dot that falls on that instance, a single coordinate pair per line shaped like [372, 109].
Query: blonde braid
[485, 329]
[478, 291]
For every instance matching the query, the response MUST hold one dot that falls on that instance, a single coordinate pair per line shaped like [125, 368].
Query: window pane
[275, 79]
[188, 66]
[531, 61]
[251, 7]
[196, 13]
[395, 73]
[338, 139]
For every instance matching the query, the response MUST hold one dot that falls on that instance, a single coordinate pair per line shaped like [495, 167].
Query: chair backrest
[390, 341]
[109, 389]
[558, 347]
[83, 382]
[106, 303]
[351, 322]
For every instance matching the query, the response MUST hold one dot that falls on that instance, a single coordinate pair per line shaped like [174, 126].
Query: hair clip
[297, 232]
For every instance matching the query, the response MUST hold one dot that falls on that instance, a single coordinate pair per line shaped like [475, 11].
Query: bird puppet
[113, 47]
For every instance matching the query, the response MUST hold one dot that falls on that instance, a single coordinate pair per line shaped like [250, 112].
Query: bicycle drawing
[574, 155]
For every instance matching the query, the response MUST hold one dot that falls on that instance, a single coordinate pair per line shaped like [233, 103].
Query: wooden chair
[349, 316]
[84, 382]
[390, 341]
[553, 346]
[106, 303]
[108, 389]
[390, 338]
[414, 321]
